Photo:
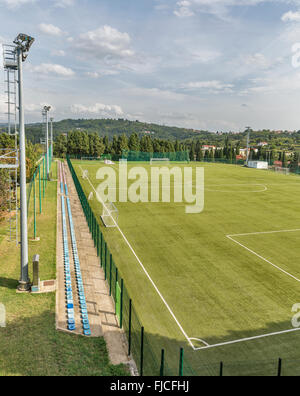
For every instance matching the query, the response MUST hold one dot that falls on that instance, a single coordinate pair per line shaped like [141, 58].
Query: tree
[122, 144]
[192, 152]
[3, 191]
[96, 145]
[60, 146]
[134, 142]
[146, 144]
[284, 160]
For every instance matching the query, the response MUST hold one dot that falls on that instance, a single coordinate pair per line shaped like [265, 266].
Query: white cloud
[50, 29]
[98, 109]
[103, 73]
[257, 60]
[155, 93]
[218, 8]
[3, 107]
[210, 85]
[204, 56]
[37, 108]
[53, 69]
[16, 3]
[291, 16]
[58, 53]
[105, 42]
[64, 3]
[184, 10]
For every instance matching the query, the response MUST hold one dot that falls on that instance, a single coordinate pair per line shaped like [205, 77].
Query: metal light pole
[47, 109]
[248, 129]
[23, 44]
[51, 120]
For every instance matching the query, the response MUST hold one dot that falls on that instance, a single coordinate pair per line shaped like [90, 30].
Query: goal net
[165, 161]
[282, 171]
[85, 174]
[110, 215]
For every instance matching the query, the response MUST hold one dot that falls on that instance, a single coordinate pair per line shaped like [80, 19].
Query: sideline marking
[144, 269]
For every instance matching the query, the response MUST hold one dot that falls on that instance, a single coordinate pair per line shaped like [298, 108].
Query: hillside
[110, 127]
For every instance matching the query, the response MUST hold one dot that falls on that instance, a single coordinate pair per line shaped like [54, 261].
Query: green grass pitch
[219, 288]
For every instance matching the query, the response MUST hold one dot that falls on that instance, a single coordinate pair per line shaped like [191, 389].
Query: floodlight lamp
[24, 42]
[47, 108]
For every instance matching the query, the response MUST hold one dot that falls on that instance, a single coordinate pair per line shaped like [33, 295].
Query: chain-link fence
[36, 190]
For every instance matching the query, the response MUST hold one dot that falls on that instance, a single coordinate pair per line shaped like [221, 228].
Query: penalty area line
[245, 339]
[143, 267]
[263, 258]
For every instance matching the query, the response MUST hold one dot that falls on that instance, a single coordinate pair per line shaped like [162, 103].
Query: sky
[217, 65]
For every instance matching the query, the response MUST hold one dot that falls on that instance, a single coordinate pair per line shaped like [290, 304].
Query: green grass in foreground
[218, 291]
[30, 345]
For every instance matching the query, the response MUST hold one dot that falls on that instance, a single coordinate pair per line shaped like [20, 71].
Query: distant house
[149, 133]
[207, 147]
[263, 144]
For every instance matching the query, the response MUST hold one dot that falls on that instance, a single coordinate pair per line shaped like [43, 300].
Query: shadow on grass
[30, 346]
[257, 357]
[8, 283]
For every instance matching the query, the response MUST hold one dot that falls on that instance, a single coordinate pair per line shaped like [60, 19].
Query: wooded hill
[110, 128]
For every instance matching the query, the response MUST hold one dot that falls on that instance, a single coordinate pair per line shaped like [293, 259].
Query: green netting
[118, 301]
[178, 156]
[126, 312]
[136, 338]
[151, 360]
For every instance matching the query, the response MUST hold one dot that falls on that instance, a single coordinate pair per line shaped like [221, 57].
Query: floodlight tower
[248, 129]
[23, 43]
[51, 138]
[46, 110]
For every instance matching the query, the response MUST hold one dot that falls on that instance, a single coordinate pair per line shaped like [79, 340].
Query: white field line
[264, 232]
[262, 258]
[207, 346]
[244, 339]
[144, 269]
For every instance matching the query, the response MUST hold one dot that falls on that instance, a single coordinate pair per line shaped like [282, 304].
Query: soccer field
[219, 283]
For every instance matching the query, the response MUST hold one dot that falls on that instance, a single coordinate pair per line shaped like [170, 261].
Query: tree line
[83, 144]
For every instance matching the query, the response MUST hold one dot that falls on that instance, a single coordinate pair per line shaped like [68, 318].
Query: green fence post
[181, 363]
[101, 250]
[98, 234]
[105, 260]
[279, 367]
[93, 225]
[129, 325]
[116, 286]
[34, 206]
[40, 189]
[44, 177]
[110, 274]
[162, 364]
[142, 352]
[221, 369]
[121, 309]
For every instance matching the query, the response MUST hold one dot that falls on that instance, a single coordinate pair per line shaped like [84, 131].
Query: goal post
[282, 171]
[140, 156]
[110, 215]
[154, 161]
